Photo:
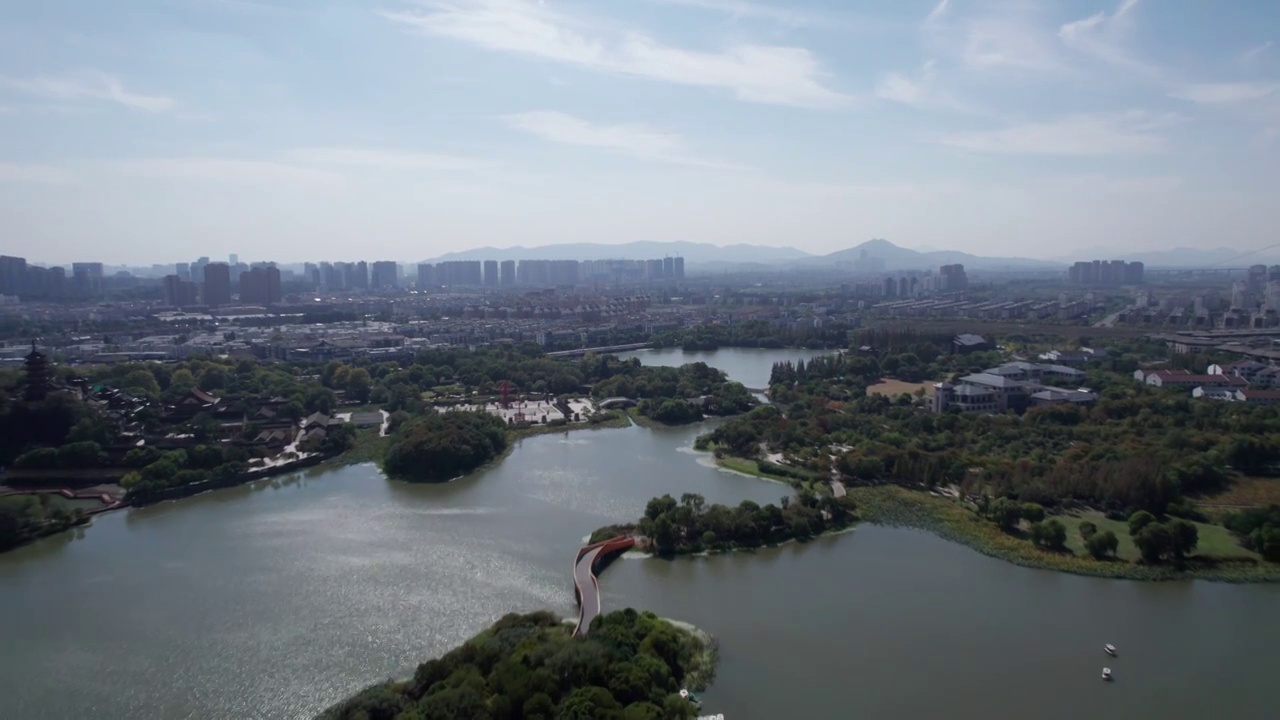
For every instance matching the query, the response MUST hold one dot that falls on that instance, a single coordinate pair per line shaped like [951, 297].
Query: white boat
[1111, 649]
[1106, 673]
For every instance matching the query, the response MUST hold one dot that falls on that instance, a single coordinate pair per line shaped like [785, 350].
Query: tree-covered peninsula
[1057, 486]
[631, 666]
[690, 525]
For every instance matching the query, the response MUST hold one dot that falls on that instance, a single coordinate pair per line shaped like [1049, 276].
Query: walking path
[586, 585]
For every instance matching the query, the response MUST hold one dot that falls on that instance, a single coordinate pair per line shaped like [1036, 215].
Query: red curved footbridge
[591, 560]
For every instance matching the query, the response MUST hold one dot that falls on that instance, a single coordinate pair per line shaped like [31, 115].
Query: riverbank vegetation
[24, 518]
[754, 334]
[691, 526]
[1027, 478]
[899, 506]
[630, 666]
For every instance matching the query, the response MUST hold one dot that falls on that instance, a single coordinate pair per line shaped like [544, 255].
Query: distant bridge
[599, 350]
[590, 561]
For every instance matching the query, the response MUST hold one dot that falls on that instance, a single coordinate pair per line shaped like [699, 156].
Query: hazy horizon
[148, 131]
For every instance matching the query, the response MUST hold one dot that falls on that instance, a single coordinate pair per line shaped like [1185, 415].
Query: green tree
[1154, 541]
[1087, 530]
[1101, 545]
[1184, 538]
[1049, 533]
[1006, 513]
[1140, 520]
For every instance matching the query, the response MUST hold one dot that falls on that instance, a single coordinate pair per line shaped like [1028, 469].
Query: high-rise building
[13, 275]
[668, 268]
[507, 273]
[260, 285]
[87, 277]
[360, 275]
[426, 275]
[178, 292]
[490, 273]
[217, 284]
[386, 275]
[197, 270]
[1106, 273]
[562, 272]
[233, 259]
[653, 269]
[890, 287]
[460, 272]
[679, 261]
[183, 271]
[952, 278]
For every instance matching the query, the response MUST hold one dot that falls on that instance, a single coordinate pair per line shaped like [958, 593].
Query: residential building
[426, 275]
[679, 268]
[260, 285]
[217, 284]
[178, 292]
[491, 273]
[386, 275]
[966, 343]
[507, 272]
[1184, 379]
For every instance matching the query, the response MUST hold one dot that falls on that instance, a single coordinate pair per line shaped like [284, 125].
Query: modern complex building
[1013, 387]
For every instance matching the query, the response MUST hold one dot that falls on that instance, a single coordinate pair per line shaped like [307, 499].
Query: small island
[631, 666]
[691, 526]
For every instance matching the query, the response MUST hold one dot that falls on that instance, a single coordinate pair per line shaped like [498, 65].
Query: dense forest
[690, 525]
[754, 334]
[435, 447]
[631, 666]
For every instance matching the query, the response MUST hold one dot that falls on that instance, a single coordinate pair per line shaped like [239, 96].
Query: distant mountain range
[692, 252]
[743, 257]
[760, 256]
[900, 258]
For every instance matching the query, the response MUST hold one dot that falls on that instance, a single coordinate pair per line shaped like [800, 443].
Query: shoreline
[895, 506]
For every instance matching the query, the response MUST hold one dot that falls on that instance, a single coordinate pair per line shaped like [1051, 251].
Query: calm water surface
[749, 366]
[274, 600]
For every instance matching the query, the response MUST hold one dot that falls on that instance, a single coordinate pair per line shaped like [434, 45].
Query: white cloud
[1107, 185]
[1106, 37]
[389, 160]
[919, 92]
[1222, 93]
[753, 73]
[41, 174]
[268, 173]
[938, 12]
[88, 85]
[1253, 53]
[1127, 133]
[743, 9]
[1012, 38]
[638, 141]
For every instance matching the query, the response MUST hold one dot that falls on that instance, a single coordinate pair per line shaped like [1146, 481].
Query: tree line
[630, 666]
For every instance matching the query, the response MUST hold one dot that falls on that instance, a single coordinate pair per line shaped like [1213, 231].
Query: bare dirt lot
[893, 388]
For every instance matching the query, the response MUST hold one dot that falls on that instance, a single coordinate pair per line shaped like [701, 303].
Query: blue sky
[161, 130]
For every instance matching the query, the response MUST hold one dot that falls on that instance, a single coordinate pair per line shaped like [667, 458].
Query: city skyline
[1014, 129]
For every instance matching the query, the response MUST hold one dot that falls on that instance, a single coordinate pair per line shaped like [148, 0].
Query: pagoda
[39, 375]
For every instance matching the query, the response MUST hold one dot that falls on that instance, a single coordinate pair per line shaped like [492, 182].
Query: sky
[150, 131]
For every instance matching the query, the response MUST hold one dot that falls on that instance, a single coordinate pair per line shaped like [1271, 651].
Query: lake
[276, 599]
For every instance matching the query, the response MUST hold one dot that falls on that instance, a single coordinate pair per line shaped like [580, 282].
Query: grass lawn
[1246, 491]
[894, 388]
[1215, 540]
